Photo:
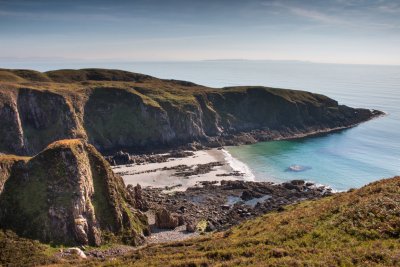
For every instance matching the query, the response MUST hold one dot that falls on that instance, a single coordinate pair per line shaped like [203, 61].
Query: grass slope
[358, 228]
[152, 89]
[17, 251]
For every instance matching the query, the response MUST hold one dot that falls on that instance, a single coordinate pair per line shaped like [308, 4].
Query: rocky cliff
[67, 194]
[115, 109]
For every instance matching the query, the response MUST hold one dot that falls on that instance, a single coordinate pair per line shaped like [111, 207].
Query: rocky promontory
[68, 194]
[116, 110]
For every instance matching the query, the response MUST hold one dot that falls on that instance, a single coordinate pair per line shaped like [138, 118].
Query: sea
[342, 160]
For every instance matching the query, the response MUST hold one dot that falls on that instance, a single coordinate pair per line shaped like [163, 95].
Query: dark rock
[227, 184]
[181, 220]
[210, 201]
[182, 209]
[280, 209]
[191, 226]
[120, 158]
[166, 220]
[250, 194]
[290, 186]
[138, 200]
[210, 227]
[297, 182]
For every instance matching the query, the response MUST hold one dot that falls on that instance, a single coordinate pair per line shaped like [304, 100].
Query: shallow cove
[345, 159]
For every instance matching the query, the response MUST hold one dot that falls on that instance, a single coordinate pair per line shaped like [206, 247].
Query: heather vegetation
[17, 251]
[356, 228]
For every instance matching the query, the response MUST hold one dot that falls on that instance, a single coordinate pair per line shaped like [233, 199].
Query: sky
[331, 31]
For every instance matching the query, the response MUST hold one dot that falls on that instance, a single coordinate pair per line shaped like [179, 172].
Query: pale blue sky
[336, 31]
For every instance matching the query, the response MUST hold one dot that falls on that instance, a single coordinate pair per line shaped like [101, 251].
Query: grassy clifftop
[357, 228]
[115, 109]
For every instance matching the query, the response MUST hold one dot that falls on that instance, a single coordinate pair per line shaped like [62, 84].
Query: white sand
[163, 178]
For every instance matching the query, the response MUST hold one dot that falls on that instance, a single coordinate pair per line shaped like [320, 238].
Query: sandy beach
[180, 173]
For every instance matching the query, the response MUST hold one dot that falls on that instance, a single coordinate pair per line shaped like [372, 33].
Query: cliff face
[115, 109]
[67, 194]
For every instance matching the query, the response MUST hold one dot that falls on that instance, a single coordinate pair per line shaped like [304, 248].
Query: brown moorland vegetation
[356, 228]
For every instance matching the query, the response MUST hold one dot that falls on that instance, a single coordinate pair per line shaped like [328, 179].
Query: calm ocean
[350, 158]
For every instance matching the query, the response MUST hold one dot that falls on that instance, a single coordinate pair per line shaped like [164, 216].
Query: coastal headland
[116, 159]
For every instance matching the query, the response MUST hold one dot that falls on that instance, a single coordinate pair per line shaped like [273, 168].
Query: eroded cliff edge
[114, 109]
[67, 194]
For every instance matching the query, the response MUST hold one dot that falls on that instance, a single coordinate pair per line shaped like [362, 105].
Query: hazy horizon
[336, 31]
[17, 63]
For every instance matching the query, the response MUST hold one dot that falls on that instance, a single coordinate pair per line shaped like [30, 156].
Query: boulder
[191, 226]
[166, 219]
[76, 251]
[210, 227]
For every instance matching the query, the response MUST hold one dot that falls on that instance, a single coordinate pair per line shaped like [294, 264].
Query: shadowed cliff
[116, 109]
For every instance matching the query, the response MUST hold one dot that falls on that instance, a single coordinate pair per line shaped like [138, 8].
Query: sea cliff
[114, 109]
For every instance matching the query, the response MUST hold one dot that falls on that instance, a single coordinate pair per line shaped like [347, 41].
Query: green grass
[17, 251]
[358, 228]
[150, 88]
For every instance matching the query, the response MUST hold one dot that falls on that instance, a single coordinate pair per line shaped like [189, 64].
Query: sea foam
[239, 166]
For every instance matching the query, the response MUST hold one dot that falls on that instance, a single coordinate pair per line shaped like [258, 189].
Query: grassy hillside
[358, 228]
[115, 110]
[17, 251]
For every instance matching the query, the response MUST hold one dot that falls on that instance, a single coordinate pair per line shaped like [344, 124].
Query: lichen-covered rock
[67, 194]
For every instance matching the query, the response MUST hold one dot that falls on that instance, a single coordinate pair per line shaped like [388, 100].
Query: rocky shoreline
[188, 193]
[197, 211]
[222, 206]
[163, 154]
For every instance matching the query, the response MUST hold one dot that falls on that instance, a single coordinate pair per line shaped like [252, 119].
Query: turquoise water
[350, 158]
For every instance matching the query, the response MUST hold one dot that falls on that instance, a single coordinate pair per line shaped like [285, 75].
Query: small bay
[342, 160]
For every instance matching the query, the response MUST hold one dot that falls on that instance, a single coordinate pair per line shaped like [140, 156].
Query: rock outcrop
[67, 194]
[116, 110]
[168, 220]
